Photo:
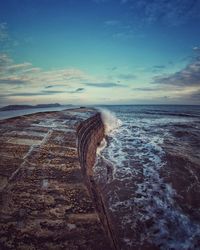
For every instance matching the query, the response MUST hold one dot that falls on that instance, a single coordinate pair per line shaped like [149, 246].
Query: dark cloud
[105, 85]
[46, 92]
[146, 89]
[40, 93]
[196, 95]
[78, 90]
[12, 81]
[54, 86]
[189, 76]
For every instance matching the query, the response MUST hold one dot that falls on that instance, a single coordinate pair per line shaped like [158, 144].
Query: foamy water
[141, 202]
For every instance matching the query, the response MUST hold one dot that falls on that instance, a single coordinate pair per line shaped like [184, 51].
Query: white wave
[110, 121]
[102, 145]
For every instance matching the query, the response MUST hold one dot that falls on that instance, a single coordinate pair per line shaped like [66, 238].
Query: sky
[92, 52]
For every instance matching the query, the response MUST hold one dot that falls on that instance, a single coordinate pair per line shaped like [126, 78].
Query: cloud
[12, 81]
[159, 66]
[3, 32]
[146, 89]
[105, 85]
[24, 80]
[171, 12]
[125, 34]
[112, 22]
[195, 95]
[4, 62]
[79, 90]
[46, 92]
[19, 67]
[6, 41]
[127, 76]
[113, 68]
[25, 73]
[196, 48]
[189, 76]
[54, 86]
[40, 93]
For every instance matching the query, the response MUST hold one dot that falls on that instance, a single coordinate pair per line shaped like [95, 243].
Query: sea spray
[111, 125]
[110, 121]
[102, 145]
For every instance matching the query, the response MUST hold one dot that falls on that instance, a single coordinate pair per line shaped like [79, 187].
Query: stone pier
[48, 200]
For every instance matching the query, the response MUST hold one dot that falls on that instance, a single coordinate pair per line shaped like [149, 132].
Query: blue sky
[100, 51]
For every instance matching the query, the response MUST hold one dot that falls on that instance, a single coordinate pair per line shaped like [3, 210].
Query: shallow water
[149, 172]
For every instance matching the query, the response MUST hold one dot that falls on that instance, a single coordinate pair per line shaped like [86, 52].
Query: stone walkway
[45, 202]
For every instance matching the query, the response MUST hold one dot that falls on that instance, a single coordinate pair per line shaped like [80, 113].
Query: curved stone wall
[90, 134]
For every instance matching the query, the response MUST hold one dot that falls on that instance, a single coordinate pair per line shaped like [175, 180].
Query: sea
[148, 170]
[14, 113]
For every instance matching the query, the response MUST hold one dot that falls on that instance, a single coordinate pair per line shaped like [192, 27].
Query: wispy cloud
[127, 76]
[146, 89]
[27, 74]
[159, 67]
[40, 93]
[189, 76]
[7, 42]
[105, 85]
[47, 92]
[12, 81]
[79, 90]
[195, 95]
[24, 80]
[124, 34]
[3, 32]
[196, 48]
[54, 86]
[112, 68]
[112, 22]
[171, 12]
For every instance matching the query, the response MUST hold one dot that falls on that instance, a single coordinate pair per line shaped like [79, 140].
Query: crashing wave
[110, 121]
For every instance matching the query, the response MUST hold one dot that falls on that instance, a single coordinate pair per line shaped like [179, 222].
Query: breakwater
[48, 197]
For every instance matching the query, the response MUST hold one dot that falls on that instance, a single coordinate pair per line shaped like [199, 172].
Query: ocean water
[15, 113]
[148, 169]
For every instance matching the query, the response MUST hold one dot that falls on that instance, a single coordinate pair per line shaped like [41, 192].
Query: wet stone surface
[45, 202]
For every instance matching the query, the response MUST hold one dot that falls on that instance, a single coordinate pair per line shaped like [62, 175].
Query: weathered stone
[48, 200]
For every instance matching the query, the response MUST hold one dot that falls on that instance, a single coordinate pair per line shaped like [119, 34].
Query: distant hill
[19, 107]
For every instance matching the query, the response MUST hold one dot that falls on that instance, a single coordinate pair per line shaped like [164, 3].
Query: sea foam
[110, 121]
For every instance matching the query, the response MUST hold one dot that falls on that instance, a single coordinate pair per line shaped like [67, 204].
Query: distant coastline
[21, 107]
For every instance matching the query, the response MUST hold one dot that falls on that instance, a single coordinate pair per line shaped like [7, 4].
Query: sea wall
[90, 134]
[48, 199]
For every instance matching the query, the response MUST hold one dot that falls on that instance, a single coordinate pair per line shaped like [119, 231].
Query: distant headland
[20, 107]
